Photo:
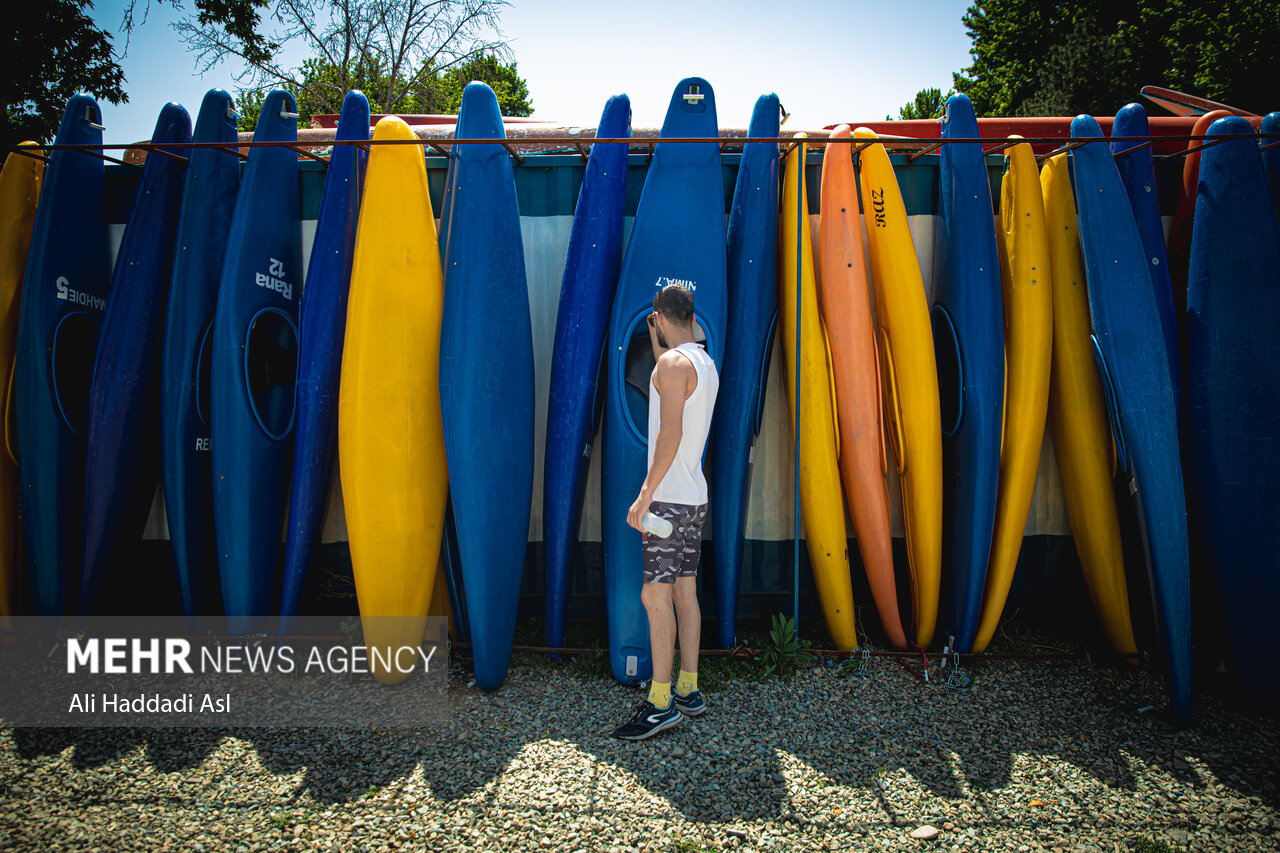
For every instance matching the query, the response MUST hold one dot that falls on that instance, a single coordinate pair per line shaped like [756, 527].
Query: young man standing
[682, 396]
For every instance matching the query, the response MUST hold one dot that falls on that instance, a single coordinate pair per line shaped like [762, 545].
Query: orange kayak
[846, 311]
[909, 378]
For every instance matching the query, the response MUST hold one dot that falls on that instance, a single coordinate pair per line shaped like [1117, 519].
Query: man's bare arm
[673, 378]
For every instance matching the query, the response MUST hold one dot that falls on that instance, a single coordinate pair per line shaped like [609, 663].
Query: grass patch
[1146, 844]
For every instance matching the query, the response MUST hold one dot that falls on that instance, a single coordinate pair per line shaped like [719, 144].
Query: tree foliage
[395, 51]
[1047, 57]
[52, 51]
[928, 103]
[434, 94]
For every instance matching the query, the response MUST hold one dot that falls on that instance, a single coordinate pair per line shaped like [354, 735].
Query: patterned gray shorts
[676, 556]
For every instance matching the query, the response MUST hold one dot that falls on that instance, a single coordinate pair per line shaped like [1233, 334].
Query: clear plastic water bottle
[656, 525]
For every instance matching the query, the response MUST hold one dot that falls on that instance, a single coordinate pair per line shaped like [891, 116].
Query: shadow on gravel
[732, 764]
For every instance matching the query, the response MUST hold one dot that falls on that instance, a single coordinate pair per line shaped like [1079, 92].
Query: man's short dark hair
[675, 302]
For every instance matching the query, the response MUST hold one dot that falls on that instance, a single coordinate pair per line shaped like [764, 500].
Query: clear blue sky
[828, 60]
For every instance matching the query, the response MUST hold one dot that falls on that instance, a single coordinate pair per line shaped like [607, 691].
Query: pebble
[926, 832]
[852, 765]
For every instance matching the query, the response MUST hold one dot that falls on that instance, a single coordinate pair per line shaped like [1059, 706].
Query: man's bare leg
[689, 621]
[662, 637]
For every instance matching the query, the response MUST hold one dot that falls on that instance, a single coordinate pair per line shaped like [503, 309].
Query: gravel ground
[1034, 755]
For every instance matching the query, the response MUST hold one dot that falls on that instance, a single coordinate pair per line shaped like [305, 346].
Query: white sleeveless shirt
[684, 482]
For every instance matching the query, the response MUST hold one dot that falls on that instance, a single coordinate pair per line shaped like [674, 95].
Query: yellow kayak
[390, 437]
[1078, 418]
[19, 191]
[821, 499]
[1025, 276]
[909, 377]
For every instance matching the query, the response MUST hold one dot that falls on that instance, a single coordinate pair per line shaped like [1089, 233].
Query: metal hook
[287, 114]
[88, 117]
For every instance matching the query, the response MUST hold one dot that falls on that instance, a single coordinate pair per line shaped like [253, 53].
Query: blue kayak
[1137, 171]
[1271, 155]
[678, 238]
[254, 360]
[582, 320]
[968, 336]
[486, 381]
[753, 303]
[64, 292]
[322, 325]
[1233, 408]
[1130, 345]
[123, 438]
[208, 199]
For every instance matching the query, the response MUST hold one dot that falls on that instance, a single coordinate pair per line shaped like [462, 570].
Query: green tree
[1038, 57]
[928, 103]
[392, 50]
[52, 51]
[511, 89]
[441, 93]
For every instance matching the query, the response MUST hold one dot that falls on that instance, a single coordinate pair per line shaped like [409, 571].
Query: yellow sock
[687, 683]
[660, 694]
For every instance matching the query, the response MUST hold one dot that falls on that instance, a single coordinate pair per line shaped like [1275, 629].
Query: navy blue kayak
[322, 325]
[486, 381]
[1271, 155]
[753, 308]
[254, 361]
[64, 292]
[1137, 171]
[678, 238]
[968, 336]
[1233, 393]
[208, 199]
[123, 438]
[1130, 345]
[582, 320]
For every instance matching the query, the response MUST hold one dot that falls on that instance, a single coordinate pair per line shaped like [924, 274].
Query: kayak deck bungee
[1027, 281]
[752, 299]
[908, 376]
[968, 335]
[811, 403]
[254, 361]
[322, 317]
[19, 193]
[64, 292]
[486, 380]
[1233, 409]
[1129, 342]
[678, 237]
[590, 277]
[390, 434]
[1078, 419]
[846, 315]
[208, 200]
[1137, 171]
[123, 437]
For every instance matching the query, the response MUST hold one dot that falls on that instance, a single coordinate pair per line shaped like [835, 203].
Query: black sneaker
[691, 705]
[648, 721]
